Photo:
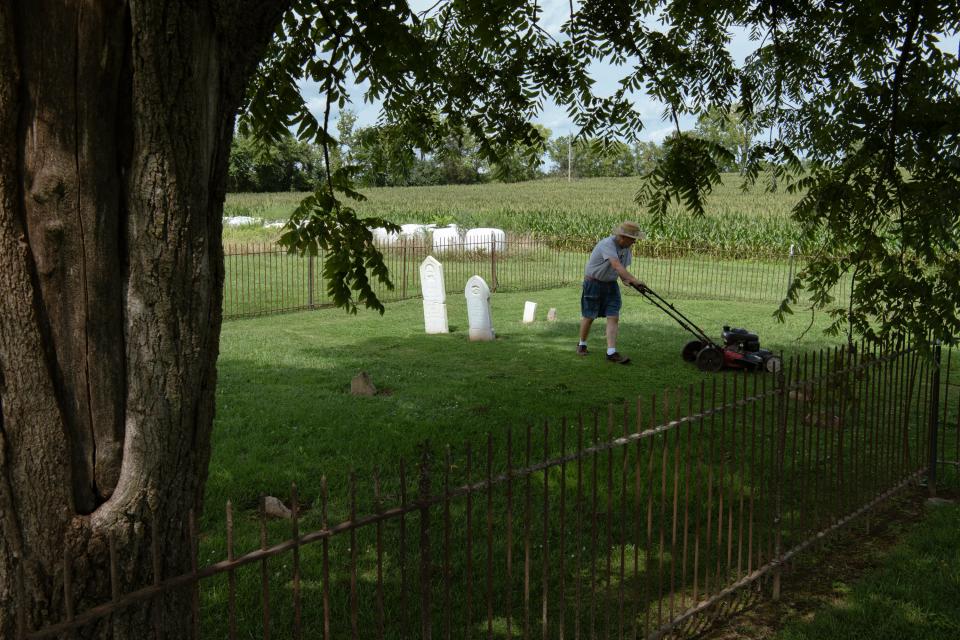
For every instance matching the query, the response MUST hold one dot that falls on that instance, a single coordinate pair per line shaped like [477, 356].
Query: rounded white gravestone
[483, 238]
[478, 309]
[434, 296]
[446, 239]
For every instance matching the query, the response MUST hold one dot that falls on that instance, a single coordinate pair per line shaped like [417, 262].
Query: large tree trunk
[115, 127]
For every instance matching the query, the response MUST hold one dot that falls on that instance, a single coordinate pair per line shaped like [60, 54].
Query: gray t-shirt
[599, 267]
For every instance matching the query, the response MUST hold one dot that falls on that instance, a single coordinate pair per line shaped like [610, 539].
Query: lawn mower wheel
[710, 359]
[690, 351]
[773, 364]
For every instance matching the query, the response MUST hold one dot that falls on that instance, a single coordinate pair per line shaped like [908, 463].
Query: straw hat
[630, 230]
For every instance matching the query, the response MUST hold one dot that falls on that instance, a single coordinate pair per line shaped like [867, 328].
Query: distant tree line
[383, 156]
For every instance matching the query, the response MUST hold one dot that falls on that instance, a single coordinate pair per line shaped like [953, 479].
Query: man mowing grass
[601, 293]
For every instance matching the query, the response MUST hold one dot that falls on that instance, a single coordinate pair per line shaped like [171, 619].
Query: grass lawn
[285, 414]
[913, 595]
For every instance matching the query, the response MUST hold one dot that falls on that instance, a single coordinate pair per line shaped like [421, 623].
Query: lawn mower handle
[654, 298]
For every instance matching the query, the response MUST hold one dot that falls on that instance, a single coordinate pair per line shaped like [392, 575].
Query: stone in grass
[938, 502]
[362, 385]
[552, 315]
[276, 509]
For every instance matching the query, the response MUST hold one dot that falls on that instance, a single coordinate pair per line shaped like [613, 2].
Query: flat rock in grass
[276, 509]
[362, 385]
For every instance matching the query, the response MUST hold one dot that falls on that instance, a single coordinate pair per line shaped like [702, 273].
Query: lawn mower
[740, 349]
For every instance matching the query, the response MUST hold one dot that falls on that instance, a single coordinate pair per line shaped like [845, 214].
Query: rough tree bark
[116, 119]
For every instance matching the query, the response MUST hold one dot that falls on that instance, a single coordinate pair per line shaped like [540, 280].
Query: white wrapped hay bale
[384, 238]
[415, 231]
[240, 221]
[483, 238]
[446, 239]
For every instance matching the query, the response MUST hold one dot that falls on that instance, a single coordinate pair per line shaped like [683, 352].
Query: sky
[554, 14]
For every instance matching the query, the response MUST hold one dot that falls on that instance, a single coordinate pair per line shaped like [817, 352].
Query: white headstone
[552, 315]
[478, 309]
[434, 296]
[529, 311]
[483, 238]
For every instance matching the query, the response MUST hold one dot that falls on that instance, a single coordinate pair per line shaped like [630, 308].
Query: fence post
[493, 263]
[778, 486]
[310, 260]
[671, 258]
[425, 556]
[790, 272]
[403, 291]
[934, 422]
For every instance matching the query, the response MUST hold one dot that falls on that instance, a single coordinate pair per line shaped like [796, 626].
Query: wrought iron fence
[639, 520]
[262, 278]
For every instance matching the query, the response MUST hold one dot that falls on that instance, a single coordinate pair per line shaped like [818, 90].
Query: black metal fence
[638, 521]
[262, 279]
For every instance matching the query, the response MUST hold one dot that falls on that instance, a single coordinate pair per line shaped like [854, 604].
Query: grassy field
[913, 595]
[285, 415]
[579, 211]
[283, 390]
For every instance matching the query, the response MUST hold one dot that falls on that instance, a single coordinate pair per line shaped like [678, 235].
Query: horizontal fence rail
[263, 278]
[641, 520]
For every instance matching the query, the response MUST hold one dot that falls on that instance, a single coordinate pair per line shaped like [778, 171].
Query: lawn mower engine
[740, 350]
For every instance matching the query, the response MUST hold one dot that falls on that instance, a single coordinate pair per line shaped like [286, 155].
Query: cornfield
[576, 213]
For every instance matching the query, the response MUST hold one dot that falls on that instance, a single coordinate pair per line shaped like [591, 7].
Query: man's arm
[625, 275]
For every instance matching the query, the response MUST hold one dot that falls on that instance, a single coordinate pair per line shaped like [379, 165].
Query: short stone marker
[276, 509]
[478, 309]
[362, 385]
[434, 296]
[529, 312]
[552, 315]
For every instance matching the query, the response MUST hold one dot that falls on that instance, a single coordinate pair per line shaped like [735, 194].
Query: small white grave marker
[434, 296]
[478, 309]
[552, 315]
[529, 312]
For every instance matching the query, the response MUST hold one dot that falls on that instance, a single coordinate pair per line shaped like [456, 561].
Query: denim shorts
[600, 299]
